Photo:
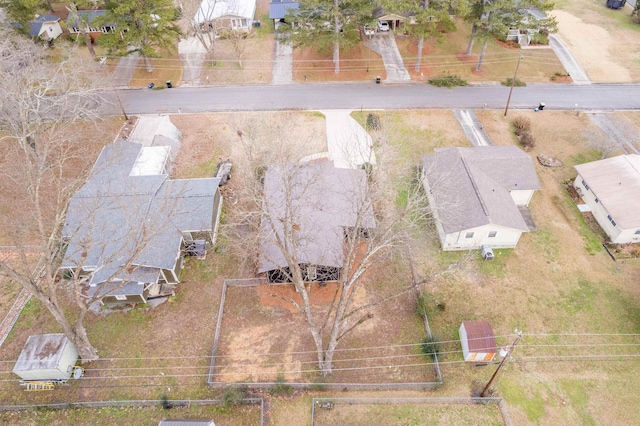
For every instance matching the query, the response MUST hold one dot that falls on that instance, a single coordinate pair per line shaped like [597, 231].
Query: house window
[120, 297]
[637, 231]
[585, 185]
[493, 234]
[597, 201]
[613, 222]
[469, 235]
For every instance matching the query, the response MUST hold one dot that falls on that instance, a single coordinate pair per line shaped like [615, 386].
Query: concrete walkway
[125, 69]
[472, 127]
[192, 54]
[282, 64]
[578, 75]
[385, 45]
[349, 144]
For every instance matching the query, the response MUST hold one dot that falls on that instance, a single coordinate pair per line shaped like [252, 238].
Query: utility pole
[504, 360]
[513, 83]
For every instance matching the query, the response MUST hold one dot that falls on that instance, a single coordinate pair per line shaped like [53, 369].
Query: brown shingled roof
[480, 337]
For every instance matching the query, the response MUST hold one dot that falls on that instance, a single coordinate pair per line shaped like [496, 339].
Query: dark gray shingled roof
[470, 186]
[115, 219]
[324, 201]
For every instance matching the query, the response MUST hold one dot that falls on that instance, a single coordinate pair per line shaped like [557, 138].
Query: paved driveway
[578, 75]
[384, 44]
[349, 145]
[124, 71]
[192, 54]
[282, 64]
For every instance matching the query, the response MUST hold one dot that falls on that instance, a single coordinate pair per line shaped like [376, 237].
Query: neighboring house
[278, 9]
[479, 196]
[226, 15]
[320, 203]
[478, 341]
[46, 27]
[129, 226]
[395, 21]
[46, 357]
[88, 17]
[611, 188]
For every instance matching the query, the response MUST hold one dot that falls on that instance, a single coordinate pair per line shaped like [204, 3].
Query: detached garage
[478, 341]
[47, 357]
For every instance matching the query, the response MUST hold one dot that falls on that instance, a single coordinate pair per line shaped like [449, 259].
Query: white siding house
[218, 15]
[46, 357]
[611, 188]
[46, 27]
[479, 196]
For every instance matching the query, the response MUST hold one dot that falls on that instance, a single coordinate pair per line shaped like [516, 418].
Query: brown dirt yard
[261, 340]
[593, 33]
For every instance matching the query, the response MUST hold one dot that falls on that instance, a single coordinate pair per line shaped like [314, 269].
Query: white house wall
[464, 342]
[616, 234]
[52, 30]
[504, 238]
[521, 197]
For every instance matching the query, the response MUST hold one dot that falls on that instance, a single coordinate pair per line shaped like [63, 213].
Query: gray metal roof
[323, 201]
[41, 352]
[116, 219]
[87, 16]
[278, 9]
[470, 186]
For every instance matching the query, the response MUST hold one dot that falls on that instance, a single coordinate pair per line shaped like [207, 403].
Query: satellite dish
[504, 352]
[78, 372]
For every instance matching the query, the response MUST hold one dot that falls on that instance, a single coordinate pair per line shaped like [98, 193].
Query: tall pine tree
[328, 25]
[491, 19]
[143, 26]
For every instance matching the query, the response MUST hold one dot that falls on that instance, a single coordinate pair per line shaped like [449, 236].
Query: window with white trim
[585, 185]
[613, 222]
[469, 235]
[492, 234]
[120, 297]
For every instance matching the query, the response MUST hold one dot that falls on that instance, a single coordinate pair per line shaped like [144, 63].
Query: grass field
[416, 414]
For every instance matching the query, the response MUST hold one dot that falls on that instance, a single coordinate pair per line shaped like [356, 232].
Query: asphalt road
[596, 97]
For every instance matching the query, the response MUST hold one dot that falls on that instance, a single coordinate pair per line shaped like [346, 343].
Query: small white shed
[47, 357]
[478, 341]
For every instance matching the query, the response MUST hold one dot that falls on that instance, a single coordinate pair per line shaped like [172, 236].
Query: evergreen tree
[491, 19]
[22, 12]
[428, 18]
[328, 25]
[142, 26]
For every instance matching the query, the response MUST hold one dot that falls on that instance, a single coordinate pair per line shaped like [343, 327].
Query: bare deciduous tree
[200, 20]
[287, 202]
[47, 158]
[238, 40]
